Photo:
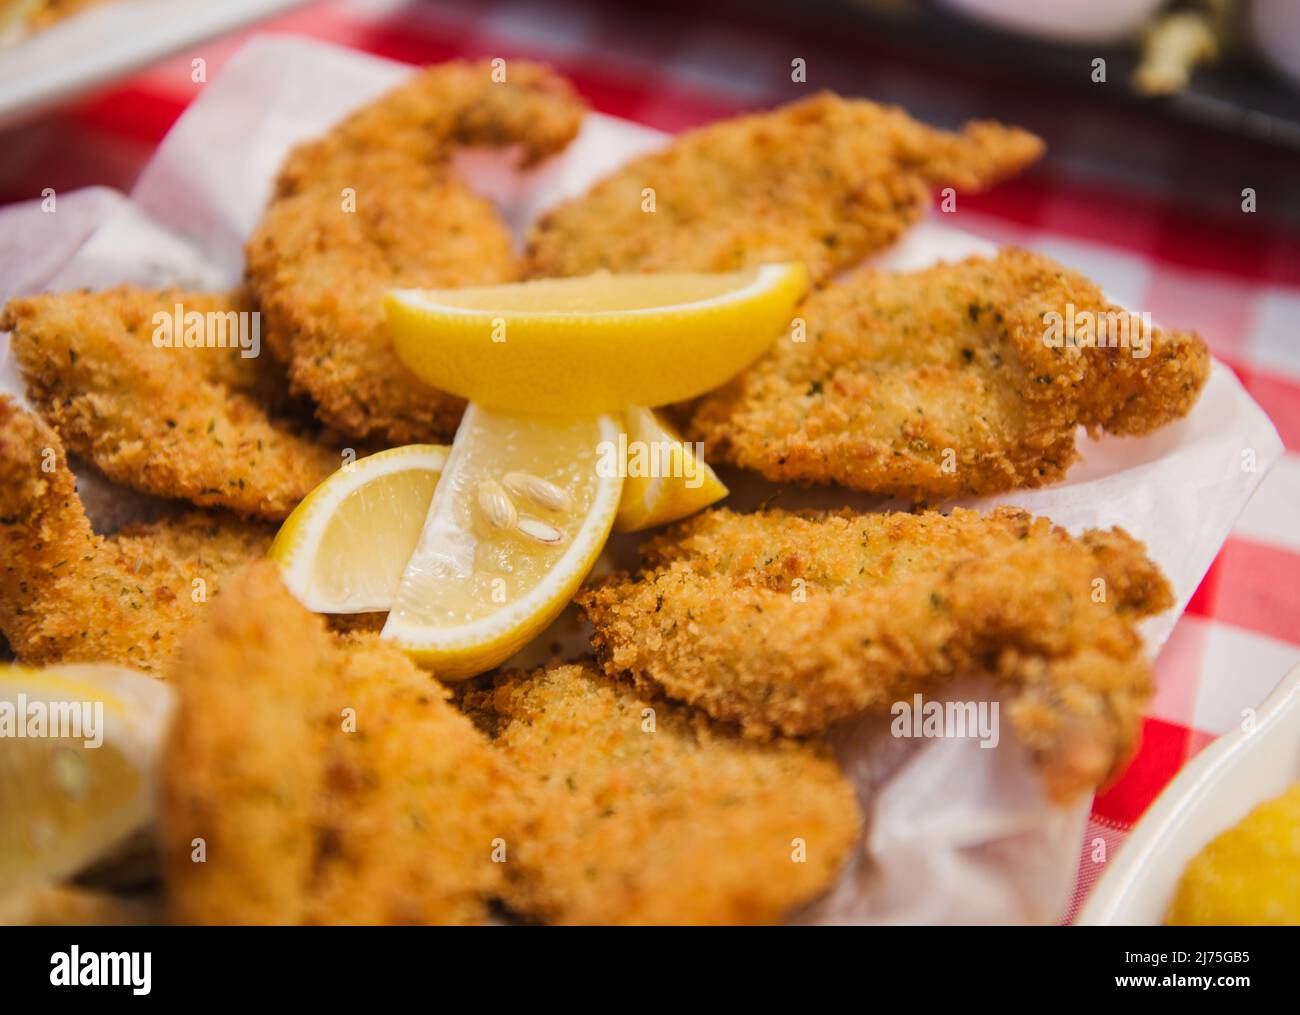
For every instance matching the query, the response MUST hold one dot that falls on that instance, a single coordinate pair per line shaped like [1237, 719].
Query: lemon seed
[543, 532]
[495, 505]
[538, 491]
[70, 772]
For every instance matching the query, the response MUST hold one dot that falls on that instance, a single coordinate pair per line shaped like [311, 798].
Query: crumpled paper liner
[955, 833]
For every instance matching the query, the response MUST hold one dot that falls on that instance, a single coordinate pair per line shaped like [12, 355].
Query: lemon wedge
[344, 548]
[521, 513]
[666, 478]
[78, 746]
[592, 345]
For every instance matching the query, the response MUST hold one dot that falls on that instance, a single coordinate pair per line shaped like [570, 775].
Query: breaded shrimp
[825, 181]
[645, 812]
[184, 422]
[446, 105]
[327, 777]
[67, 594]
[376, 204]
[944, 382]
[787, 623]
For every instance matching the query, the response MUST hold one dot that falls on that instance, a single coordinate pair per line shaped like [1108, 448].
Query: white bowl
[1218, 788]
[1062, 20]
[1275, 25]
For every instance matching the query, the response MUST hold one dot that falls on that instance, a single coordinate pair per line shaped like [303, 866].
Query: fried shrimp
[376, 204]
[824, 181]
[67, 594]
[787, 623]
[947, 382]
[644, 812]
[173, 421]
[446, 105]
[328, 778]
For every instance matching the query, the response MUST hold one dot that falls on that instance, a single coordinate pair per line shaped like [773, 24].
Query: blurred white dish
[1061, 20]
[1218, 788]
[1275, 26]
[97, 46]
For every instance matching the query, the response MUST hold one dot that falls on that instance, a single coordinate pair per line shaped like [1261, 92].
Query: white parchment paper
[955, 832]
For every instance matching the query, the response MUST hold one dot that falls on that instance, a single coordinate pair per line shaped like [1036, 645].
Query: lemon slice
[344, 548]
[666, 478]
[78, 746]
[519, 517]
[596, 344]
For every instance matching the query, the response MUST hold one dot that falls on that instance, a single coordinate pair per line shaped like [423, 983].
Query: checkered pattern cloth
[1166, 234]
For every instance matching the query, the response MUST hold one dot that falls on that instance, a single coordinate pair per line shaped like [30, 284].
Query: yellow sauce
[1250, 874]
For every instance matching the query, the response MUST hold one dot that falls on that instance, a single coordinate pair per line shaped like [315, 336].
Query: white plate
[1218, 788]
[97, 46]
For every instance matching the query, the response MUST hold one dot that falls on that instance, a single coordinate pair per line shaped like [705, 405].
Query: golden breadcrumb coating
[644, 812]
[375, 204]
[328, 777]
[69, 595]
[789, 622]
[824, 181]
[457, 103]
[941, 383]
[190, 423]
[1248, 875]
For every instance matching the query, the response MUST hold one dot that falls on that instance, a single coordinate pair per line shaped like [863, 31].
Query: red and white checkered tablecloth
[1167, 234]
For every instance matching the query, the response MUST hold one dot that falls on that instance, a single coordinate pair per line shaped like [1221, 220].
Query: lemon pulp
[666, 479]
[68, 799]
[475, 591]
[344, 548]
